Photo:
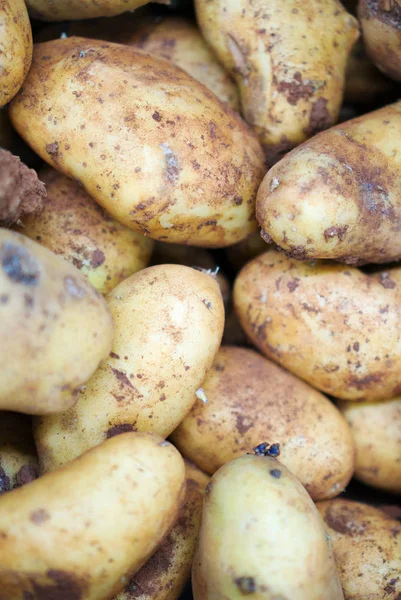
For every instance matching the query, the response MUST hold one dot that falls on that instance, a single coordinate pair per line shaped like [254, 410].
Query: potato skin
[367, 549]
[256, 513]
[331, 325]
[74, 226]
[147, 166]
[47, 10]
[18, 457]
[55, 328]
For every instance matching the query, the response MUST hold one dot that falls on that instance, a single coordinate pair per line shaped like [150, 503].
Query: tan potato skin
[74, 226]
[67, 10]
[331, 325]
[55, 328]
[169, 323]
[80, 532]
[376, 429]
[367, 549]
[158, 151]
[251, 400]
[18, 457]
[336, 196]
[288, 59]
[261, 535]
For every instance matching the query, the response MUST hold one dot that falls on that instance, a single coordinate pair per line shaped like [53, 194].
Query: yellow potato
[75, 227]
[331, 325]
[251, 400]
[80, 532]
[288, 59]
[55, 328]
[61, 10]
[18, 458]
[262, 536]
[165, 574]
[336, 196]
[169, 323]
[376, 429]
[155, 148]
[367, 549]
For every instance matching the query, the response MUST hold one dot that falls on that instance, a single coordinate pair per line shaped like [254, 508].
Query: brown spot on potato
[344, 522]
[52, 149]
[295, 90]
[97, 259]
[26, 474]
[246, 585]
[333, 231]
[120, 428]
[65, 586]
[146, 581]
[276, 473]
[39, 516]
[243, 424]
[319, 118]
[156, 116]
[114, 355]
[386, 281]
[293, 284]
[122, 378]
[19, 265]
[364, 382]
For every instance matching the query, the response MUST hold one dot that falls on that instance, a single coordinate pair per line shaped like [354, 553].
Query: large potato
[250, 400]
[18, 458]
[289, 60]
[55, 328]
[332, 325]
[376, 429]
[78, 229]
[336, 196]
[367, 549]
[80, 533]
[155, 148]
[169, 323]
[261, 535]
[61, 10]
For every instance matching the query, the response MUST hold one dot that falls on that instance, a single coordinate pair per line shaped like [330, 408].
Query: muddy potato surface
[18, 457]
[67, 10]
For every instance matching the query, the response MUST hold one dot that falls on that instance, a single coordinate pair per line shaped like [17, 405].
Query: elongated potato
[169, 323]
[250, 400]
[376, 429]
[18, 457]
[367, 549]
[333, 326]
[155, 148]
[75, 227]
[127, 477]
[67, 10]
[261, 535]
[55, 328]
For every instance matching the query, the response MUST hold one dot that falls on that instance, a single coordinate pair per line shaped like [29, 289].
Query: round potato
[125, 477]
[367, 549]
[18, 457]
[55, 328]
[67, 10]
[376, 429]
[332, 325]
[155, 148]
[75, 227]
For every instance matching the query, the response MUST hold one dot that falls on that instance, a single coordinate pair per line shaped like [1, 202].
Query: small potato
[75, 227]
[331, 325]
[65, 10]
[55, 328]
[165, 574]
[250, 400]
[80, 532]
[376, 429]
[367, 549]
[169, 323]
[18, 457]
[154, 147]
[262, 536]
[337, 195]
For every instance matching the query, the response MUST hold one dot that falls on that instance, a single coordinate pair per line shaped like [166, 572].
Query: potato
[250, 400]
[288, 59]
[336, 196]
[367, 549]
[334, 326]
[80, 532]
[55, 328]
[165, 574]
[78, 229]
[18, 457]
[47, 10]
[169, 323]
[376, 429]
[261, 535]
[156, 149]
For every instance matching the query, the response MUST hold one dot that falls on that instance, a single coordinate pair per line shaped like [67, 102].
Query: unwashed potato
[165, 574]
[80, 532]
[261, 535]
[250, 400]
[367, 549]
[18, 458]
[376, 429]
[48, 10]
[75, 227]
[155, 148]
[288, 59]
[169, 323]
[334, 326]
[337, 195]
[55, 328]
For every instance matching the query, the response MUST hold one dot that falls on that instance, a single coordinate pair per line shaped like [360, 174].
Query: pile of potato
[200, 300]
